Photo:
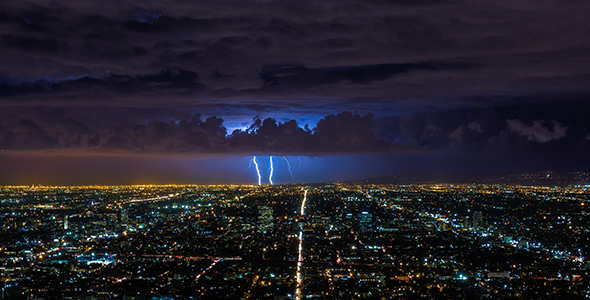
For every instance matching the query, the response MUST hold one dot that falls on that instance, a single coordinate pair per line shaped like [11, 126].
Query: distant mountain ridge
[547, 178]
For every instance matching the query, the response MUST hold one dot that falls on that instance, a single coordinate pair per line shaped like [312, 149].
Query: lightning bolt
[289, 165]
[271, 172]
[257, 170]
[318, 161]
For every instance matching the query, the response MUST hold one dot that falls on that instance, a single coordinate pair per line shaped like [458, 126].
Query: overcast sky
[184, 91]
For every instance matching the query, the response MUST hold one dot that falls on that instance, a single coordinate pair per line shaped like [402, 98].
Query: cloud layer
[452, 78]
[510, 130]
[337, 49]
[342, 133]
[538, 132]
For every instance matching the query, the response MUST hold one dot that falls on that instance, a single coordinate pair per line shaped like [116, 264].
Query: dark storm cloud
[175, 80]
[302, 76]
[545, 130]
[181, 81]
[538, 132]
[342, 133]
[540, 129]
[54, 130]
[520, 45]
[449, 77]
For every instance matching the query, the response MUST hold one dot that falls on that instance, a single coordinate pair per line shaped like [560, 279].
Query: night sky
[119, 92]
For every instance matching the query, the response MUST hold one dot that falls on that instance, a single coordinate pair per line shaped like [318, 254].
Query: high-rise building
[477, 220]
[265, 218]
[124, 217]
[365, 221]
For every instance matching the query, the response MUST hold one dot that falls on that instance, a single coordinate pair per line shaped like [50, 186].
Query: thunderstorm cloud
[458, 78]
[538, 132]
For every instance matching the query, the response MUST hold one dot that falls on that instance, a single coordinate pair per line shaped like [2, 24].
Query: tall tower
[66, 223]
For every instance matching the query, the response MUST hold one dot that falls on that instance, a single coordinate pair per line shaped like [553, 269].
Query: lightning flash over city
[291, 150]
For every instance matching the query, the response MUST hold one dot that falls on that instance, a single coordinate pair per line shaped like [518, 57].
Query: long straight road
[300, 258]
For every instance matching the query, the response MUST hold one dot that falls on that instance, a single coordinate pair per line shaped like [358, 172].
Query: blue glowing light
[271, 172]
[289, 165]
[257, 170]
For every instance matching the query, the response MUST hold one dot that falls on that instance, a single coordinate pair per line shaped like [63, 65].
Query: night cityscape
[294, 149]
[323, 241]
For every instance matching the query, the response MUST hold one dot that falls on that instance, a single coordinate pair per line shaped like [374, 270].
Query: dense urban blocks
[329, 241]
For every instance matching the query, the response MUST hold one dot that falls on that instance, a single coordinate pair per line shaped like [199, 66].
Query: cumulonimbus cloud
[470, 130]
[538, 131]
[342, 133]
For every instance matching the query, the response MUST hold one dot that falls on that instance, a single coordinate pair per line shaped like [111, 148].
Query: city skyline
[328, 241]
